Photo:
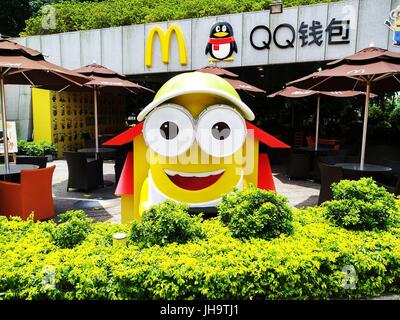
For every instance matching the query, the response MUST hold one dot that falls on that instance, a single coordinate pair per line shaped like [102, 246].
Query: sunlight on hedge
[361, 205]
[308, 264]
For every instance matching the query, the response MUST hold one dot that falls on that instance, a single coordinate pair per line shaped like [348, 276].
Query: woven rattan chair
[329, 175]
[83, 174]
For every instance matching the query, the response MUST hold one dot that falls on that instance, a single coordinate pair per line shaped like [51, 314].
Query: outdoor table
[354, 171]
[90, 152]
[321, 149]
[15, 170]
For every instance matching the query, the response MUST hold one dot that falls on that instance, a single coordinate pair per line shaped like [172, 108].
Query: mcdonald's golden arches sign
[165, 43]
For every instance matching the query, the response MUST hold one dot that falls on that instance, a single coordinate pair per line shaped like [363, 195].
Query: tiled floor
[300, 193]
[102, 204]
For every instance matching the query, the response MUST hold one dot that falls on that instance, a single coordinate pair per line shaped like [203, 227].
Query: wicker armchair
[299, 166]
[391, 180]
[329, 175]
[83, 174]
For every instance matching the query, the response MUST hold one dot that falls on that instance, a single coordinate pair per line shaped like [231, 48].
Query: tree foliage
[13, 14]
[75, 15]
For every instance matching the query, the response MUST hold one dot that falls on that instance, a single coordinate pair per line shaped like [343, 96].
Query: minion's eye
[224, 28]
[169, 130]
[218, 28]
[221, 131]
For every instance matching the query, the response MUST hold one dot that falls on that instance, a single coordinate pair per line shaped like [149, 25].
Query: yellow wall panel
[64, 118]
[42, 120]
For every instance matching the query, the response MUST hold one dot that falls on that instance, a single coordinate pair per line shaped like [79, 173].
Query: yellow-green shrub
[361, 205]
[73, 229]
[166, 223]
[308, 264]
[255, 213]
[82, 15]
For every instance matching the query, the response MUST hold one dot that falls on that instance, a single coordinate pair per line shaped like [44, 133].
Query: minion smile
[194, 180]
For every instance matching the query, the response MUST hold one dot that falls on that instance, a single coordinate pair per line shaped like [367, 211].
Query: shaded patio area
[101, 204]
[300, 193]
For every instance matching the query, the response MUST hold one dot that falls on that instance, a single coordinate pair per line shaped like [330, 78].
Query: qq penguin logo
[221, 43]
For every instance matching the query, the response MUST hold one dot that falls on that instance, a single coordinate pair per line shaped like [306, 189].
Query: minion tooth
[172, 173]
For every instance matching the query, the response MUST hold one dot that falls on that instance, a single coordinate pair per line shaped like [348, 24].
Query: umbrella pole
[4, 121]
[317, 123]
[96, 128]
[365, 125]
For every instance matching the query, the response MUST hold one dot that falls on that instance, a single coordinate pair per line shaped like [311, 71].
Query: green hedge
[74, 228]
[72, 16]
[166, 223]
[361, 205]
[41, 148]
[256, 213]
[394, 118]
[308, 264]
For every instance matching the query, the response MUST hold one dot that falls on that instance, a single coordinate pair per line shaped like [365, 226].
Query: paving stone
[101, 204]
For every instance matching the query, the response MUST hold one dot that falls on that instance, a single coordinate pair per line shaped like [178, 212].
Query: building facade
[297, 35]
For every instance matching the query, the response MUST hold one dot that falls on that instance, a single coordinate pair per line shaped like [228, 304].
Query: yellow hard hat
[197, 82]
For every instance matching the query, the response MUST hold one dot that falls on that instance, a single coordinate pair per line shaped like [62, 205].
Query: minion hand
[387, 23]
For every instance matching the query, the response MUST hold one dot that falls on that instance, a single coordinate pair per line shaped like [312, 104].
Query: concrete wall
[19, 109]
[123, 48]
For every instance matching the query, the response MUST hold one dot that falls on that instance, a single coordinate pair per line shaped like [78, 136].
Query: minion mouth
[194, 180]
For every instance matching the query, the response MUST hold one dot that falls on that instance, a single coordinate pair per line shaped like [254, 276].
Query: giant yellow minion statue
[193, 145]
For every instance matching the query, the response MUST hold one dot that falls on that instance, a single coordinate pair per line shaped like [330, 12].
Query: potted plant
[23, 147]
[35, 153]
[48, 150]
